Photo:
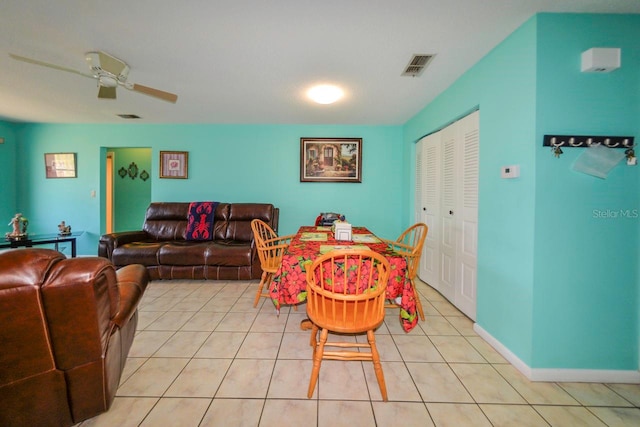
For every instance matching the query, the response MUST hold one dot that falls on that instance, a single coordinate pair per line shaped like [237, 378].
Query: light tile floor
[203, 356]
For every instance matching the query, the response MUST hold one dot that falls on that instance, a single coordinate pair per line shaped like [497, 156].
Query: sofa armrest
[132, 282]
[108, 242]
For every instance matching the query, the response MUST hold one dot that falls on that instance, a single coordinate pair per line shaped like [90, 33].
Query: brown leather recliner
[66, 327]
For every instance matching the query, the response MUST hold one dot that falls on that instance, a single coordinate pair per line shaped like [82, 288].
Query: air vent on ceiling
[417, 64]
[128, 116]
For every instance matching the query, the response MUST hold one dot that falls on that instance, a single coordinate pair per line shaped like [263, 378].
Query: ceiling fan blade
[107, 92]
[46, 64]
[165, 96]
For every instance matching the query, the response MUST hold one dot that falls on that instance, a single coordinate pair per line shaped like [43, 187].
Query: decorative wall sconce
[133, 170]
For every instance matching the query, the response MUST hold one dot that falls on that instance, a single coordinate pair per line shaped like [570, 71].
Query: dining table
[289, 283]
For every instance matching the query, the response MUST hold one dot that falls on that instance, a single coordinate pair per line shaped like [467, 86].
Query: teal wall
[585, 278]
[557, 283]
[230, 163]
[131, 195]
[502, 85]
[8, 166]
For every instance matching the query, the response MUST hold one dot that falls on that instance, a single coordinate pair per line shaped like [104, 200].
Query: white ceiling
[250, 61]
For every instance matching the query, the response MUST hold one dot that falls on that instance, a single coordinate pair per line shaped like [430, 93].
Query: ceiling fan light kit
[110, 72]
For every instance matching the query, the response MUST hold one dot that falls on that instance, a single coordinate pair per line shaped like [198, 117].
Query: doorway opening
[127, 188]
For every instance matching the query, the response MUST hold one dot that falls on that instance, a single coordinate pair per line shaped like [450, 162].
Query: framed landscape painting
[331, 159]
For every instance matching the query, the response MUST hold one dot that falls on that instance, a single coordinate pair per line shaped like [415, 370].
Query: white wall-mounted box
[600, 60]
[512, 171]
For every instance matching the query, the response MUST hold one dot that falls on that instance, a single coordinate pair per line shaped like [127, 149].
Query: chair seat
[350, 324]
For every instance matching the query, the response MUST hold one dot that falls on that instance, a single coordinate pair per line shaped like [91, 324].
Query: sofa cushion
[24, 337]
[240, 217]
[183, 253]
[166, 221]
[228, 253]
[221, 220]
[145, 253]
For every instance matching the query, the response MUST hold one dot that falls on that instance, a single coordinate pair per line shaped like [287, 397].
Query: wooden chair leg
[265, 282]
[317, 361]
[314, 336]
[377, 366]
[260, 287]
[259, 290]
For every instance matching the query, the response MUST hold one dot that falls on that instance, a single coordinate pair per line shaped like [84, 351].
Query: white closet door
[447, 189]
[448, 237]
[467, 218]
[419, 182]
[430, 208]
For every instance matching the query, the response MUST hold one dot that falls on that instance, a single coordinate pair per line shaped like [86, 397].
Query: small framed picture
[174, 164]
[331, 160]
[60, 165]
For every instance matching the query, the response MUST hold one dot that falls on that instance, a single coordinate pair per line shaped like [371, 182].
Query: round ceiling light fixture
[325, 94]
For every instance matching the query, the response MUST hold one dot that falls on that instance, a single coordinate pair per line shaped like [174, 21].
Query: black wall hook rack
[587, 141]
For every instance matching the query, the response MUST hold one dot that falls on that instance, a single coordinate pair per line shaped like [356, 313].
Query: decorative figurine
[64, 229]
[19, 224]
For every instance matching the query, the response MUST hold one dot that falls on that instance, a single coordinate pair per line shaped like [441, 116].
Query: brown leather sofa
[67, 327]
[161, 245]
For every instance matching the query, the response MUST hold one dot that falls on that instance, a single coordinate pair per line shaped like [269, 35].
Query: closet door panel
[467, 247]
[448, 237]
[430, 209]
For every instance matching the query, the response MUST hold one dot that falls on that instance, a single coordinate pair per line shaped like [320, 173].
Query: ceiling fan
[110, 72]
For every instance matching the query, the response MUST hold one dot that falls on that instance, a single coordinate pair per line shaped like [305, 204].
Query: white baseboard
[559, 375]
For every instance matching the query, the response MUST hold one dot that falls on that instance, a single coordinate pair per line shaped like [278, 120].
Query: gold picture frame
[174, 164]
[60, 165]
[331, 160]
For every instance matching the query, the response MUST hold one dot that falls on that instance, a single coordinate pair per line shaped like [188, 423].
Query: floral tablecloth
[289, 283]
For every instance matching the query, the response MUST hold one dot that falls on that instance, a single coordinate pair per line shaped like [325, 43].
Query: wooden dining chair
[410, 244]
[346, 295]
[270, 249]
